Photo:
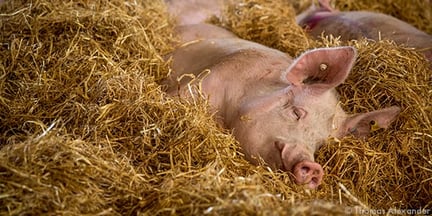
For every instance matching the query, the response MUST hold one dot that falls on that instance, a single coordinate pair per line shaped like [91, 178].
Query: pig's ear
[360, 125]
[322, 69]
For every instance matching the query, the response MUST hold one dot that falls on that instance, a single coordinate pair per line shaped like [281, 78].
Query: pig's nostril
[305, 170]
[315, 181]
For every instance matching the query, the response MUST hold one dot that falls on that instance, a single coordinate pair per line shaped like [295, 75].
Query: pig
[363, 24]
[280, 109]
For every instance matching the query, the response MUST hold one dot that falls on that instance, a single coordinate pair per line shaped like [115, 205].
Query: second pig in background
[349, 25]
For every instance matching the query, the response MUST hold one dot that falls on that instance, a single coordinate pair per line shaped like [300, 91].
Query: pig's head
[286, 124]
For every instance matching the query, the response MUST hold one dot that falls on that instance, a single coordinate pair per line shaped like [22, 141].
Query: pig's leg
[191, 16]
[188, 12]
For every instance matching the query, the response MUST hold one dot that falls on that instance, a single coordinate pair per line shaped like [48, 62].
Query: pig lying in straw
[280, 109]
[359, 24]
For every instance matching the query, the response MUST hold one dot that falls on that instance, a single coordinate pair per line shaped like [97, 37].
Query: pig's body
[280, 109]
[364, 24]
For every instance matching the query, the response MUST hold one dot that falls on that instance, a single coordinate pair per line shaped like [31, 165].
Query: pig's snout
[299, 161]
[308, 173]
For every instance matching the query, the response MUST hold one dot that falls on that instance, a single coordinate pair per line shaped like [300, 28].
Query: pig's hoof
[308, 173]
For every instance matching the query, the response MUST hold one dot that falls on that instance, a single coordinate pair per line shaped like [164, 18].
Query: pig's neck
[250, 74]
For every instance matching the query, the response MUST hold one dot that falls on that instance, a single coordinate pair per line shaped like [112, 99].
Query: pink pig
[358, 24]
[279, 108]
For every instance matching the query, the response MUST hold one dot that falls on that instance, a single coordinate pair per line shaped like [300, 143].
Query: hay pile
[86, 128]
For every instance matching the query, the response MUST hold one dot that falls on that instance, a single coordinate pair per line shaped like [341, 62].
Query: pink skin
[279, 108]
[359, 24]
[189, 12]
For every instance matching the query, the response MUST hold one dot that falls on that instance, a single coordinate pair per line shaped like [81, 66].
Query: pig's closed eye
[298, 113]
[293, 112]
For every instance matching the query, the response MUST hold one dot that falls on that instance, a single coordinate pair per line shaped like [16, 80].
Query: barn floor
[86, 128]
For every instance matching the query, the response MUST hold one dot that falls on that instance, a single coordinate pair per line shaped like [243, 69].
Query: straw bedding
[87, 129]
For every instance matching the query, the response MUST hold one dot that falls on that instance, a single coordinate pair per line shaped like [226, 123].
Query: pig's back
[371, 25]
[227, 58]
[203, 54]
[382, 26]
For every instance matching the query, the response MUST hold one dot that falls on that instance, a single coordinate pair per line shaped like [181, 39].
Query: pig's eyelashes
[294, 112]
[286, 105]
